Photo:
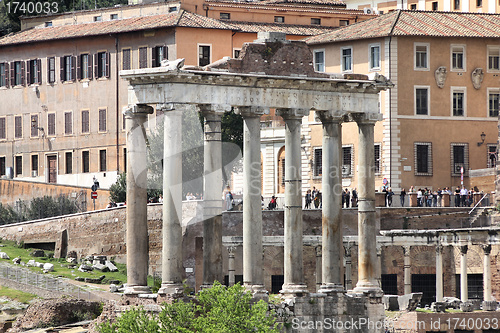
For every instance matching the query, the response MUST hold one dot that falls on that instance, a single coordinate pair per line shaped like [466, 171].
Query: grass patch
[16, 295]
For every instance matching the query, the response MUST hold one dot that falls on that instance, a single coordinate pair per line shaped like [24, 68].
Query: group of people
[315, 197]
[433, 198]
[191, 196]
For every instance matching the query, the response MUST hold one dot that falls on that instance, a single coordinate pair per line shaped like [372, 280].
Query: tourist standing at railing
[402, 197]
[463, 196]
[347, 197]
[439, 196]
[457, 197]
[419, 197]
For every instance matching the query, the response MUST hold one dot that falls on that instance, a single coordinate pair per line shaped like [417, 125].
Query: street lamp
[483, 136]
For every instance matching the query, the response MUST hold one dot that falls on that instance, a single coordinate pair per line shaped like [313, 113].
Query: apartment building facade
[441, 116]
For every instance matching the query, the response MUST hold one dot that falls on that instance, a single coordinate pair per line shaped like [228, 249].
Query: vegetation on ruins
[218, 309]
[37, 208]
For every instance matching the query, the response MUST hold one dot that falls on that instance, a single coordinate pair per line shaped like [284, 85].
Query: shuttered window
[126, 59]
[102, 120]
[85, 121]
[143, 57]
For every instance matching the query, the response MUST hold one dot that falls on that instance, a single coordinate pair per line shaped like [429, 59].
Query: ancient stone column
[379, 266]
[293, 264]
[367, 232]
[172, 268]
[488, 303]
[137, 214]
[318, 267]
[407, 270]
[439, 273]
[253, 272]
[212, 194]
[230, 265]
[348, 267]
[332, 270]
[464, 296]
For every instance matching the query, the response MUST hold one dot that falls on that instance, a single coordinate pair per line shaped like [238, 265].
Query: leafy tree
[118, 191]
[7, 214]
[216, 310]
[47, 206]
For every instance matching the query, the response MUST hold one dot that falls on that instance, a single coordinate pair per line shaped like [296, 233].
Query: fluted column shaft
[487, 273]
[172, 202]
[230, 265]
[136, 210]
[367, 256]
[464, 296]
[348, 267]
[407, 269]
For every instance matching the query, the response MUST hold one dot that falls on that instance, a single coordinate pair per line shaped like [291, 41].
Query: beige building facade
[442, 114]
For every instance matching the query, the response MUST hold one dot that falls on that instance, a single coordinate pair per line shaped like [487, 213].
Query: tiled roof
[417, 23]
[306, 2]
[289, 29]
[179, 19]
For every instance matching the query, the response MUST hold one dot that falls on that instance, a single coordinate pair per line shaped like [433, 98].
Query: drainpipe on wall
[117, 107]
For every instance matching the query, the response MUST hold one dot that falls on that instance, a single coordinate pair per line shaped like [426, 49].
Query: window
[172, 9]
[315, 21]
[85, 121]
[85, 161]
[493, 58]
[159, 54]
[48, 24]
[4, 74]
[102, 160]
[101, 64]
[17, 73]
[374, 57]
[143, 57]
[492, 156]
[97, 18]
[51, 124]
[457, 58]
[69, 162]
[422, 101]
[102, 120]
[34, 125]
[67, 68]
[68, 123]
[318, 162]
[421, 57]
[2, 166]
[457, 4]
[346, 59]
[319, 60]
[459, 158]
[435, 5]
[225, 16]
[377, 160]
[51, 69]
[343, 23]
[18, 127]
[237, 53]
[458, 103]
[479, 3]
[279, 19]
[423, 158]
[84, 67]
[19, 165]
[126, 61]
[204, 55]
[347, 161]
[493, 106]
[413, 6]
[3, 129]
[34, 165]
[113, 17]
[34, 74]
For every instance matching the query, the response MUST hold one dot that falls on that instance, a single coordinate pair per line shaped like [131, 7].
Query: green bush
[216, 310]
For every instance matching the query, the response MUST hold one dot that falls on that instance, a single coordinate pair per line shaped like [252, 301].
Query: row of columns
[332, 252]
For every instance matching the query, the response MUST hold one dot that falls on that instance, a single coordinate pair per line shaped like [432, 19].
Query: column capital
[319, 250]
[406, 250]
[439, 249]
[215, 109]
[251, 111]
[231, 249]
[487, 249]
[348, 249]
[365, 118]
[137, 110]
[292, 113]
[330, 116]
[463, 249]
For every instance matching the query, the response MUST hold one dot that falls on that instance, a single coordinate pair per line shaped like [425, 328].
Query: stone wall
[103, 232]
[13, 190]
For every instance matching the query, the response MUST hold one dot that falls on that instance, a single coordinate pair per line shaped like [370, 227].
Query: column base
[490, 305]
[466, 306]
[331, 288]
[294, 290]
[371, 289]
[258, 291]
[438, 307]
[136, 290]
[174, 290]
